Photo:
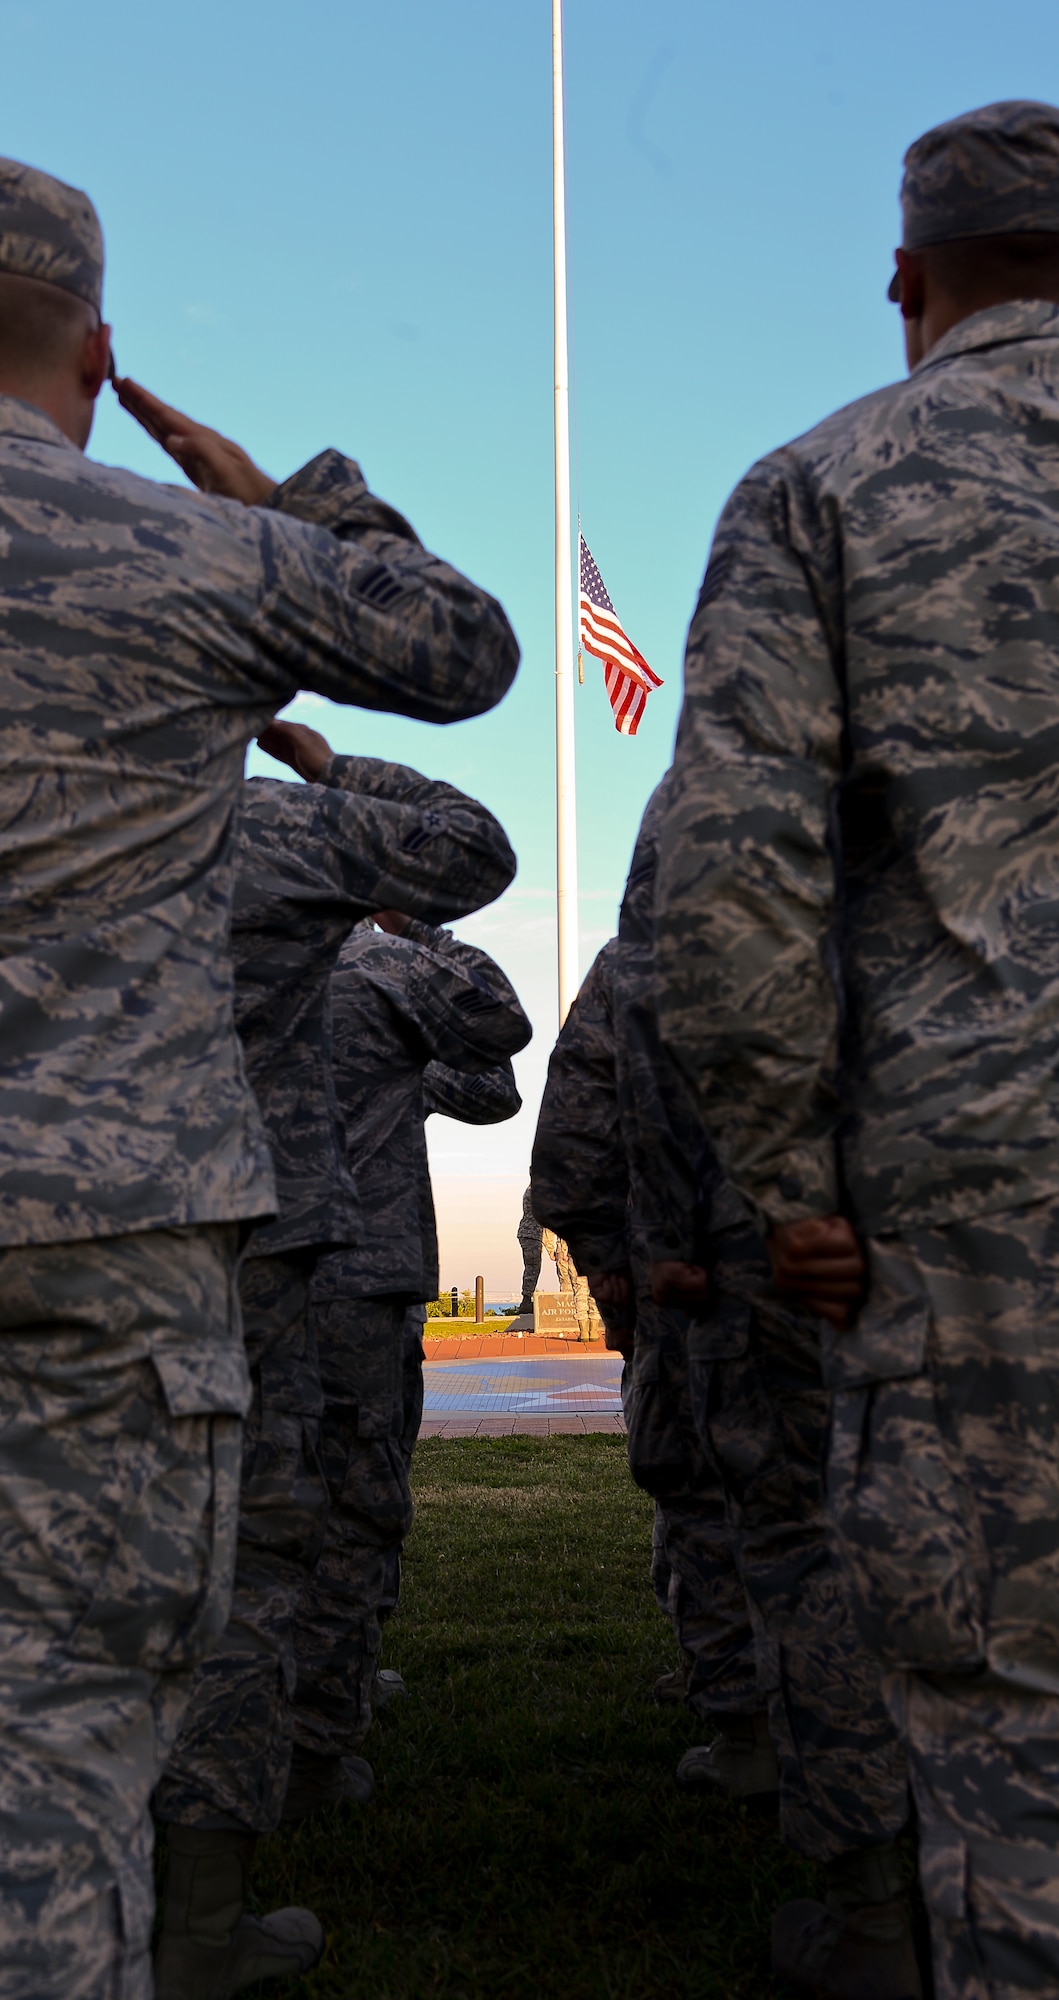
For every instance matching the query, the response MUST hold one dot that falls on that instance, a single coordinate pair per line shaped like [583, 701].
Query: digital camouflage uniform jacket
[858, 950]
[485, 1099]
[313, 860]
[403, 1005]
[616, 1123]
[146, 634]
[579, 1175]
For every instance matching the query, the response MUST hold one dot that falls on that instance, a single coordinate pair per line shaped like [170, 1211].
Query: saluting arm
[349, 603]
[488, 1098]
[395, 839]
[461, 1002]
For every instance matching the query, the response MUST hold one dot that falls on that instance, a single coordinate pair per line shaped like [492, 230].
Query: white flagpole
[565, 775]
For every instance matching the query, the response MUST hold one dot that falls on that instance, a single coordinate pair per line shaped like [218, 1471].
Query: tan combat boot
[673, 1687]
[387, 1686]
[317, 1782]
[740, 1763]
[859, 1943]
[208, 1948]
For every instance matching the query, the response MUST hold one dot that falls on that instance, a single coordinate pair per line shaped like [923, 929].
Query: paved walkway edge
[500, 1346]
[518, 1426]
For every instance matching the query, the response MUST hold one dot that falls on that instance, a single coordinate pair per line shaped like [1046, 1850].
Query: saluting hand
[820, 1260]
[293, 743]
[212, 462]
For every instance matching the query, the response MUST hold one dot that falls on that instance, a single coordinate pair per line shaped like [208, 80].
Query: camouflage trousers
[944, 1492]
[231, 1761]
[694, 1569]
[354, 1585]
[411, 1420]
[122, 1389]
[529, 1240]
[763, 1415]
[412, 1358]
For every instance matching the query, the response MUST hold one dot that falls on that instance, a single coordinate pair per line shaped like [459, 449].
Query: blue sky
[330, 224]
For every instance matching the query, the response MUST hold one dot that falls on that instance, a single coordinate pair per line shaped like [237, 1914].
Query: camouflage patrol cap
[987, 173]
[50, 231]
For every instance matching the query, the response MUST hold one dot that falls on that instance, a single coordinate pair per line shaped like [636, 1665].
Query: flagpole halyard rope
[565, 770]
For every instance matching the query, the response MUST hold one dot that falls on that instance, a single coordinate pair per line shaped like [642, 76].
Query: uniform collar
[997, 326]
[24, 420]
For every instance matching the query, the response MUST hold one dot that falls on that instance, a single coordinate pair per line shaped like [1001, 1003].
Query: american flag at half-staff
[600, 632]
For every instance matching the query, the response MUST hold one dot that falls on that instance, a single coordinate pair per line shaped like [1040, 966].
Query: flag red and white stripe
[629, 679]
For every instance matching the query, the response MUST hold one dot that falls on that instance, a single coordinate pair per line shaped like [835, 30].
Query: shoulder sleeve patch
[713, 581]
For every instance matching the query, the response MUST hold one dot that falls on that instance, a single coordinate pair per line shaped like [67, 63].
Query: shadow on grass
[527, 1839]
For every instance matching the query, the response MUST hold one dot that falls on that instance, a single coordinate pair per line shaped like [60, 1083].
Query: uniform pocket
[376, 1497]
[361, 1345]
[168, 1511]
[162, 1597]
[722, 1336]
[411, 1411]
[742, 1441]
[901, 1506]
[907, 1527]
[660, 1459]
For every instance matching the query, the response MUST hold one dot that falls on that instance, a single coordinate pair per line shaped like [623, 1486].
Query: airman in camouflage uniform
[473, 1097]
[485, 1097]
[531, 1244]
[581, 1185]
[312, 861]
[148, 634]
[859, 971]
[677, 1196]
[744, 1518]
[415, 1009]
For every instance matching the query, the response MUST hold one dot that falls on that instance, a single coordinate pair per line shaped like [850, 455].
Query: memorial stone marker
[554, 1315]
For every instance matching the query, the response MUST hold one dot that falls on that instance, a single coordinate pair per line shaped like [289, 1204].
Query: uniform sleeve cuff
[346, 772]
[322, 491]
[332, 492]
[417, 932]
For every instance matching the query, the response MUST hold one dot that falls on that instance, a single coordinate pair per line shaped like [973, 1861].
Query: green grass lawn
[526, 1839]
[467, 1329]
